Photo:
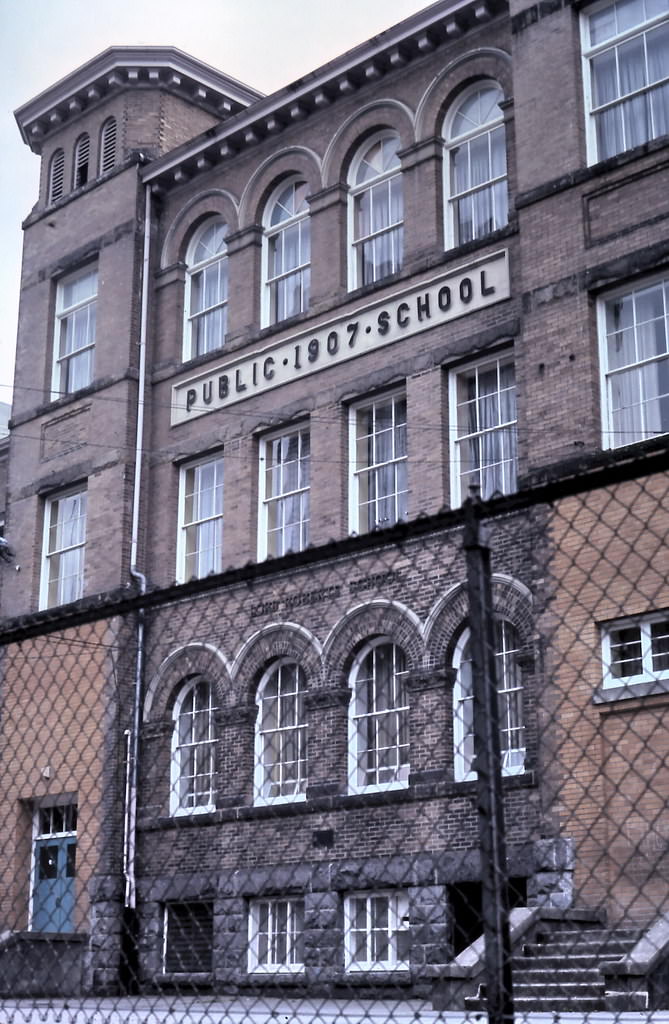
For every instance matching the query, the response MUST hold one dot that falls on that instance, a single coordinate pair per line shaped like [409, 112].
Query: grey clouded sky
[265, 43]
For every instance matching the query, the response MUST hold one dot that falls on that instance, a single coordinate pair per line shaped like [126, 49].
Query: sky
[264, 43]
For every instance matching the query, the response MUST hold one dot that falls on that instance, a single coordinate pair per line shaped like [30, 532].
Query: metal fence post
[495, 901]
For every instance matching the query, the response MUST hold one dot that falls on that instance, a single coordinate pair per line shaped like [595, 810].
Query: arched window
[378, 718]
[193, 749]
[108, 145]
[288, 252]
[207, 290]
[476, 165]
[510, 704]
[281, 734]
[56, 176]
[82, 152]
[377, 211]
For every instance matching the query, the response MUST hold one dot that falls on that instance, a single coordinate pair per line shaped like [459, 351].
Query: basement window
[188, 938]
[276, 936]
[376, 931]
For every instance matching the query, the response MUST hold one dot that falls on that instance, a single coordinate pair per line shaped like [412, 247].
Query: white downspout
[132, 736]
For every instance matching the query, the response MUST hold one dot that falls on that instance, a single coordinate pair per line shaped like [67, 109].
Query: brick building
[266, 346]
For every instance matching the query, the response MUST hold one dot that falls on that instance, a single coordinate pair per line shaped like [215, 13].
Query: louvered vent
[108, 145]
[56, 175]
[81, 159]
[189, 934]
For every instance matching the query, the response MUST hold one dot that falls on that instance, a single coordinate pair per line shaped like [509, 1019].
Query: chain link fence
[284, 793]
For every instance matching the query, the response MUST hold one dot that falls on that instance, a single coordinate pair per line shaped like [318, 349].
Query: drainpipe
[129, 935]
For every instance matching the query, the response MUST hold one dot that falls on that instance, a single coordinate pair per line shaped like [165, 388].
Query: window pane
[626, 658]
[65, 545]
[380, 713]
[282, 732]
[486, 428]
[637, 333]
[288, 237]
[623, 72]
[659, 633]
[478, 157]
[202, 526]
[76, 322]
[381, 450]
[510, 703]
[378, 212]
[286, 499]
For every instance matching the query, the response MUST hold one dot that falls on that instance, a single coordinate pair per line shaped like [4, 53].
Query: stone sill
[278, 979]
[637, 692]
[370, 978]
[72, 938]
[195, 979]
[443, 790]
[53, 405]
[593, 172]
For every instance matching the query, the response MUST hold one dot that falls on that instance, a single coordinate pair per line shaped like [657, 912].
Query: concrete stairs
[560, 968]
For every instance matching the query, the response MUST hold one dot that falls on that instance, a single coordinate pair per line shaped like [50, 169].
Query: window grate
[189, 938]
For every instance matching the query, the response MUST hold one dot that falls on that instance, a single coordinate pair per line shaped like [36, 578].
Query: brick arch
[282, 164]
[362, 623]
[380, 115]
[448, 617]
[194, 659]
[477, 65]
[216, 202]
[277, 640]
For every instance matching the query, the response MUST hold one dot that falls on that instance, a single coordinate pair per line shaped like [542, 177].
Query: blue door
[53, 897]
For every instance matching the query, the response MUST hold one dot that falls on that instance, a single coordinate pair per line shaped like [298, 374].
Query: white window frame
[510, 683]
[64, 550]
[648, 650]
[289, 704]
[504, 430]
[281, 951]
[362, 718]
[274, 508]
[75, 323]
[590, 52]
[180, 799]
[381, 186]
[360, 503]
[199, 521]
[640, 366]
[217, 261]
[276, 233]
[453, 143]
[397, 924]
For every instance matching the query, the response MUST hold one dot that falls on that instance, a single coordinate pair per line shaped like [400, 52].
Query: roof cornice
[122, 67]
[417, 35]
